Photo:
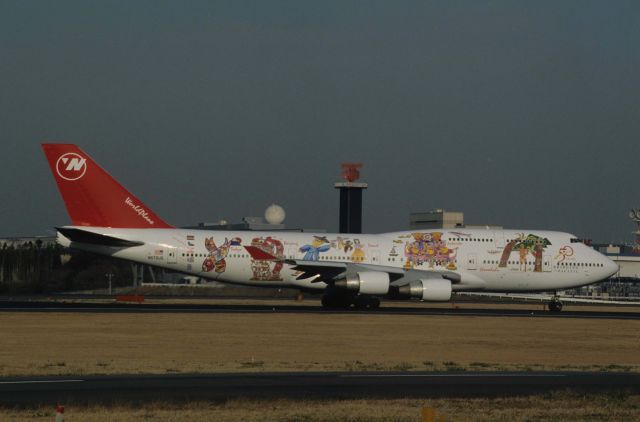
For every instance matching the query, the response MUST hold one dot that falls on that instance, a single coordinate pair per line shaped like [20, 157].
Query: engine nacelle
[365, 282]
[430, 289]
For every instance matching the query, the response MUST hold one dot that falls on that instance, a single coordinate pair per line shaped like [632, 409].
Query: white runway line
[39, 381]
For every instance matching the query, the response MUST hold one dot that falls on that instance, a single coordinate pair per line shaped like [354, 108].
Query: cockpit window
[585, 241]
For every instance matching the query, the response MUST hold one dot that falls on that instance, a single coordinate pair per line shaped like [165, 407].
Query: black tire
[361, 302]
[335, 302]
[326, 302]
[374, 303]
[555, 306]
[367, 302]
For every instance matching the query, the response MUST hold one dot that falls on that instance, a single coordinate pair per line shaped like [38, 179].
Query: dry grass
[562, 406]
[107, 343]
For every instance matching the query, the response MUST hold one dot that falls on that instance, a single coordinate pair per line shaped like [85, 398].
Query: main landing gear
[344, 301]
[555, 305]
[366, 302]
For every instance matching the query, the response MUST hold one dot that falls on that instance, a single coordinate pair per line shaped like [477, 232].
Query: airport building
[442, 219]
[436, 219]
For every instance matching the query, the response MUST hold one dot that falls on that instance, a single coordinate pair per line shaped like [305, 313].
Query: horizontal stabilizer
[84, 236]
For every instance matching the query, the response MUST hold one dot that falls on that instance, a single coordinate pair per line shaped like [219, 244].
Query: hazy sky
[522, 114]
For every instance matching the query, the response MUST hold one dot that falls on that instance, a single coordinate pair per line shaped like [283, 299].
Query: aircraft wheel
[367, 302]
[328, 301]
[375, 303]
[361, 302]
[555, 306]
[344, 302]
[335, 302]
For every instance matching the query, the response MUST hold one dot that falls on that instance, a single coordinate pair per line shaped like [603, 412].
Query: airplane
[349, 269]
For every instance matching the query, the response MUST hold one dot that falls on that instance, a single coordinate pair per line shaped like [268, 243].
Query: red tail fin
[92, 196]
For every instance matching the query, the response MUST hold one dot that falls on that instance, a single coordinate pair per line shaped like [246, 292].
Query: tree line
[32, 267]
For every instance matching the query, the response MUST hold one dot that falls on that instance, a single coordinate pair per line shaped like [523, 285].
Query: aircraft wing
[328, 271]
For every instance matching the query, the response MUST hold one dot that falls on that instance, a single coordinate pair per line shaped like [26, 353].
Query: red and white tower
[351, 198]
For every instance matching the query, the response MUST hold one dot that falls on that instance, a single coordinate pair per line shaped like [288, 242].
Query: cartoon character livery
[266, 270]
[425, 265]
[312, 251]
[429, 248]
[216, 259]
[530, 245]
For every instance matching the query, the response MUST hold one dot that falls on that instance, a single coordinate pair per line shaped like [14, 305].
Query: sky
[520, 114]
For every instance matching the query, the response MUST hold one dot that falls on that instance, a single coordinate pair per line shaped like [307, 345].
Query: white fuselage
[485, 260]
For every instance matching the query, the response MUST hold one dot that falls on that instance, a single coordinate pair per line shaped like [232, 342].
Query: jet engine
[365, 282]
[430, 289]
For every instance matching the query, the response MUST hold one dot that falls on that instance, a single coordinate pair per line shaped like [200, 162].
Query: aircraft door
[172, 256]
[375, 256]
[471, 261]
[498, 236]
[546, 263]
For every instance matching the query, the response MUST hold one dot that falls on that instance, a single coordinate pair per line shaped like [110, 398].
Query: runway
[341, 385]
[386, 309]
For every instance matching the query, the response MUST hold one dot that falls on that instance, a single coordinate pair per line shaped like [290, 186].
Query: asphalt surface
[387, 309]
[347, 385]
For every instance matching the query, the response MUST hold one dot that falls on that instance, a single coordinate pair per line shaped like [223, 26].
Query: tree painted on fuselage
[532, 244]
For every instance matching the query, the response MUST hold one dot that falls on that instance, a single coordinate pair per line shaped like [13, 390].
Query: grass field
[107, 343]
[561, 406]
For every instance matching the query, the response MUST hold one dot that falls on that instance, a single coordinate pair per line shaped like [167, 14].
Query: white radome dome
[274, 214]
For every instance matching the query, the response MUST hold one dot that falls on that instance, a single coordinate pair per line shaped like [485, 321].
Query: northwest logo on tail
[71, 166]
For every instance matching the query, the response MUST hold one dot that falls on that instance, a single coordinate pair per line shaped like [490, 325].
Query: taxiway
[26, 391]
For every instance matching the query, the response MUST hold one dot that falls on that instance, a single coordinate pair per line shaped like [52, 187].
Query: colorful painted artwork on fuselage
[312, 251]
[531, 244]
[429, 248]
[565, 252]
[217, 254]
[358, 252]
[266, 270]
[344, 248]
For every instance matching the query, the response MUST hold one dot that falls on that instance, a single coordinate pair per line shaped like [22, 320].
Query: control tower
[351, 198]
